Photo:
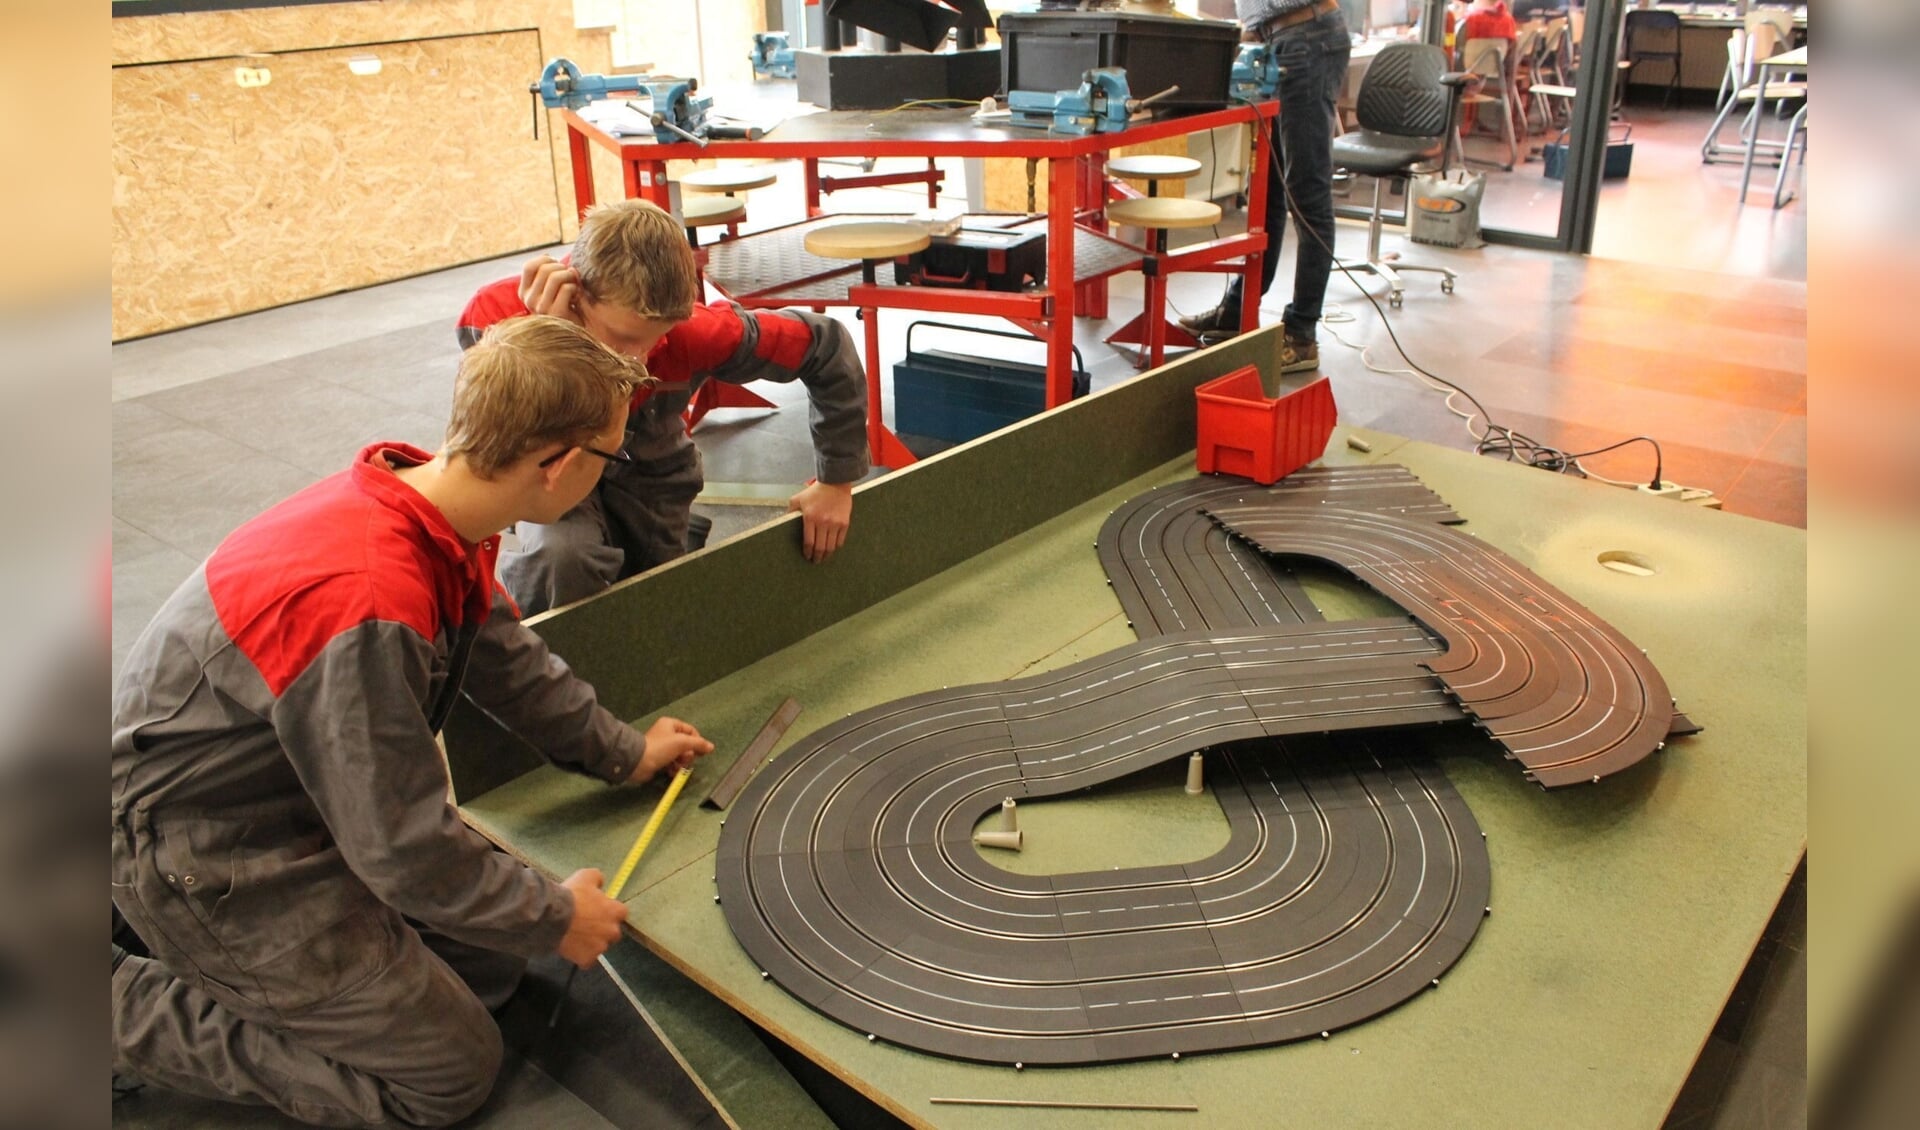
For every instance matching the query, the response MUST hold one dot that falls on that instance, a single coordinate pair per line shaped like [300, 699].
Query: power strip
[1668, 489]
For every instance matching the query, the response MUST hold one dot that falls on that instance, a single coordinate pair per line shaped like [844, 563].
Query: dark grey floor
[214, 423]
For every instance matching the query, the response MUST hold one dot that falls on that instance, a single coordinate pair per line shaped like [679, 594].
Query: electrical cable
[912, 102]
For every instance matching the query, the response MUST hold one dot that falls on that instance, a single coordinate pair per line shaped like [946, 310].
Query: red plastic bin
[1245, 432]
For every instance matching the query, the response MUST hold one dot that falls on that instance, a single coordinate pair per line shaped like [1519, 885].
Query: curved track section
[1353, 876]
[1560, 689]
[1349, 883]
[1174, 569]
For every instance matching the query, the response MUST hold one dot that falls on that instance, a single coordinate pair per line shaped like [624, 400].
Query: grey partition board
[1623, 913]
[654, 638]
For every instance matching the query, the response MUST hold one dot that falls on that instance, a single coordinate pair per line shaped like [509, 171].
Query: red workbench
[1075, 218]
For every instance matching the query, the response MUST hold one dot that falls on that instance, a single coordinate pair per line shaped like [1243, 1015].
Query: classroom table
[1622, 914]
[1785, 61]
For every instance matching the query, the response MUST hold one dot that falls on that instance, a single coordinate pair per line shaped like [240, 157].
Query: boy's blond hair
[531, 382]
[633, 254]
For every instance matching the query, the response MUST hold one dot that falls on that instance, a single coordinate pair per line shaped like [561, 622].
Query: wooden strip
[752, 758]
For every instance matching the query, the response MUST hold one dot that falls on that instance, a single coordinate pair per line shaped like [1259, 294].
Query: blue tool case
[954, 396]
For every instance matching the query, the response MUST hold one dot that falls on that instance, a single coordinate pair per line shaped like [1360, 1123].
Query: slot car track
[1354, 874]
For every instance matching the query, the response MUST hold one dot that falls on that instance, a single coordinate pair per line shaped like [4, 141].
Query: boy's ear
[551, 473]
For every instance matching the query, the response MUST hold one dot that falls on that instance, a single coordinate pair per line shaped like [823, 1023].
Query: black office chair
[1407, 107]
[1653, 36]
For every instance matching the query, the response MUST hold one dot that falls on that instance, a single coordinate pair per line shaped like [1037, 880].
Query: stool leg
[1157, 304]
[876, 414]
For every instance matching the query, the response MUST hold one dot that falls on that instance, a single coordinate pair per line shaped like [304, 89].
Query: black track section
[1354, 875]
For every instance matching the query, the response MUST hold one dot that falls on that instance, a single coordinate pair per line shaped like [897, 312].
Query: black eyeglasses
[609, 456]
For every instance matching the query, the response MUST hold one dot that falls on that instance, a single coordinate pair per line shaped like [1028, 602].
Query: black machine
[977, 259]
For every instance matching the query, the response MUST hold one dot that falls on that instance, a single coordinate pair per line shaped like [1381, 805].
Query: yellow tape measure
[646, 834]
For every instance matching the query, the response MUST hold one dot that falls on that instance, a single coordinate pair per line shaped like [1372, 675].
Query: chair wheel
[1446, 285]
[1393, 299]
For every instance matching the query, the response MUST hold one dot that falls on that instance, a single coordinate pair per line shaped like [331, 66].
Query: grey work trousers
[413, 1044]
[635, 519]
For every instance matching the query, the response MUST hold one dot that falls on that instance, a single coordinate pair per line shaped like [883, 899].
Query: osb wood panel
[206, 35]
[228, 200]
[200, 35]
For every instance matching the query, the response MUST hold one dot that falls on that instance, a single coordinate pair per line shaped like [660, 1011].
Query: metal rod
[1065, 1105]
[664, 122]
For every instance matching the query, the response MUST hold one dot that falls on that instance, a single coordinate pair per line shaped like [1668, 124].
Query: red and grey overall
[328, 935]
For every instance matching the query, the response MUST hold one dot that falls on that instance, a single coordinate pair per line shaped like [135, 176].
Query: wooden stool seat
[1153, 167]
[872, 239]
[1163, 213]
[706, 211]
[1157, 214]
[729, 180]
[871, 242]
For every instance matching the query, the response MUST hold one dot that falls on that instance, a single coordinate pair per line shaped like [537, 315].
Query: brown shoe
[1298, 356]
[1215, 325]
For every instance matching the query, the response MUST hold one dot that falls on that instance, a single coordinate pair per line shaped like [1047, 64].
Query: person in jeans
[1310, 42]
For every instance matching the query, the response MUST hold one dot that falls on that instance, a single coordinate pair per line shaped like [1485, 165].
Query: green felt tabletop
[1622, 913]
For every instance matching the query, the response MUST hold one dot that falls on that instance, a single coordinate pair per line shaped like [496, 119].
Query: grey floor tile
[527, 1096]
[1760, 1096]
[422, 387]
[1700, 1097]
[192, 511]
[313, 425]
[130, 543]
[156, 364]
[141, 585]
[1777, 1031]
[149, 443]
[363, 358]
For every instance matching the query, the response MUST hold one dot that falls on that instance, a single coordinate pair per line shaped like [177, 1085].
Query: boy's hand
[548, 286]
[671, 744]
[826, 510]
[596, 919]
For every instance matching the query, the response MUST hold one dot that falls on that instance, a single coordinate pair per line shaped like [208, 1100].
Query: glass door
[1527, 124]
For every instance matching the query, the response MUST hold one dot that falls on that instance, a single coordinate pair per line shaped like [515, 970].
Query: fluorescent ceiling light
[364, 64]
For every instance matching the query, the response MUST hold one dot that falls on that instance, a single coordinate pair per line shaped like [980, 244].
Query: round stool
[1152, 168]
[1157, 214]
[871, 241]
[729, 181]
[1160, 214]
[710, 211]
[868, 241]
